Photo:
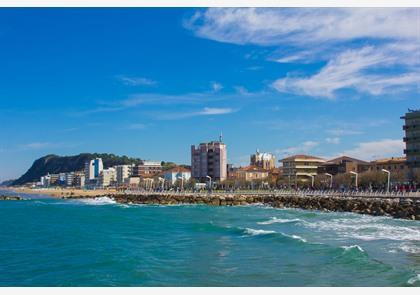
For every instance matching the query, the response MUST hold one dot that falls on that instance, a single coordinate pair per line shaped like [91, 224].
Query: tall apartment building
[123, 173]
[147, 168]
[209, 159]
[265, 161]
[412, 140]
[93, 169]
[301, 167]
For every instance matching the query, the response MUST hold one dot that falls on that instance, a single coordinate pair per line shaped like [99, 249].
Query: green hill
[56, 164]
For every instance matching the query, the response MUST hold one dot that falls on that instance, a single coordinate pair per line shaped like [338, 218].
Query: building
[172, 175]
[107, 177]
[342, 164]
[265, 161]
[93, 169]
[69, 179]
[209, 159]
[395, 165]
[54, 179]
[412, 140]
[45, 181]
[79, 179]
[132, 182]
[123, 172]
[147, 168]
[301, 167]
[251, 173]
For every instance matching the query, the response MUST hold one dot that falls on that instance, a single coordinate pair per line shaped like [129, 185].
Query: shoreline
[62, 192]
[402, 208]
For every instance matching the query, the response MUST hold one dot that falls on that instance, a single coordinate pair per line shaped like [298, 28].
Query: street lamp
[330, 175]
[389, 178]
[356, 174]
[311, 176]
[182, 181]
[163, 183]
[209, 180]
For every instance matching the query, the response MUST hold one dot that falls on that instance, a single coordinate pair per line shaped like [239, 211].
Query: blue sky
[149, 83]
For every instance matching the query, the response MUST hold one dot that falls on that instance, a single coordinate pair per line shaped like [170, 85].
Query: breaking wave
[98, 201]
[414, 279]
[349, 248]
[278, 220]
[256, 232]
[367, 229]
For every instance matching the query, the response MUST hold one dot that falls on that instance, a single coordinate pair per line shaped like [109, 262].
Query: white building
[176, 173]
[123, 173]
[107, 177]
[93, 169]
[45, 180]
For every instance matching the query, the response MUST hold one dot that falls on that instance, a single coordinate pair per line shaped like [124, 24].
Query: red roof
[178, 169]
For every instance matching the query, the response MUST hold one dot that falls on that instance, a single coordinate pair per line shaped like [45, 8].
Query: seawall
[406, 208]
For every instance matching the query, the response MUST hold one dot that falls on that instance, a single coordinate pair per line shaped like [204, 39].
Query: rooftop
[251, 168]
[339, 160]
[390, 160]
[178, 169]
[304, 157]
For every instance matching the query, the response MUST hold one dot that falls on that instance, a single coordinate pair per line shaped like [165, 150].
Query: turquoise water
[53, 242]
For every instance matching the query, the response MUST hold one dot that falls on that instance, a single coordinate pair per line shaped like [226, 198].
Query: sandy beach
[62, 192]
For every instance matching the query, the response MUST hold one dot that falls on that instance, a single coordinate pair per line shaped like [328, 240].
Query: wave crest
[256, 232]
[349, 248]
[278, 220]
[99, 201]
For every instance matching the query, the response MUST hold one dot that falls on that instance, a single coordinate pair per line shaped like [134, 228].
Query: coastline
[403, 208]
[63, 192]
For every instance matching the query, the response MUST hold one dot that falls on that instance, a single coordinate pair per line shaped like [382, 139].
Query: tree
[343, 180]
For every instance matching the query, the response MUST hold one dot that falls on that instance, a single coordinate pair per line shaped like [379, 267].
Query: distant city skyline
[149, 83]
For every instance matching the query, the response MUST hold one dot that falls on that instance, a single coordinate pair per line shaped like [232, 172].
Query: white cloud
[377, 149]
[136, 81]
[333, 140]
[204, 112]
[216, 87]
[350, 70]
[241, 90]
[215, 111]
[268, 26]
[304, 148]
[391, 45]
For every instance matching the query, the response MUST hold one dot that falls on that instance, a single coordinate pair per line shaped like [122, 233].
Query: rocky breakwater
[398, 208]
[11, 198]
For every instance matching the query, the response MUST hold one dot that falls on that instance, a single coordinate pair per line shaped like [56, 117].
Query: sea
[46, 241]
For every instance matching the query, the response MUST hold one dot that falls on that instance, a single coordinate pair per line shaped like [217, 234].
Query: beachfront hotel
[209, 160]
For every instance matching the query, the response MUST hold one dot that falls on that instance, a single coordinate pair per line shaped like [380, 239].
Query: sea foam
[99, 201]
[278, 220]
[256, 232]
[414, 279]
[348, 248]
